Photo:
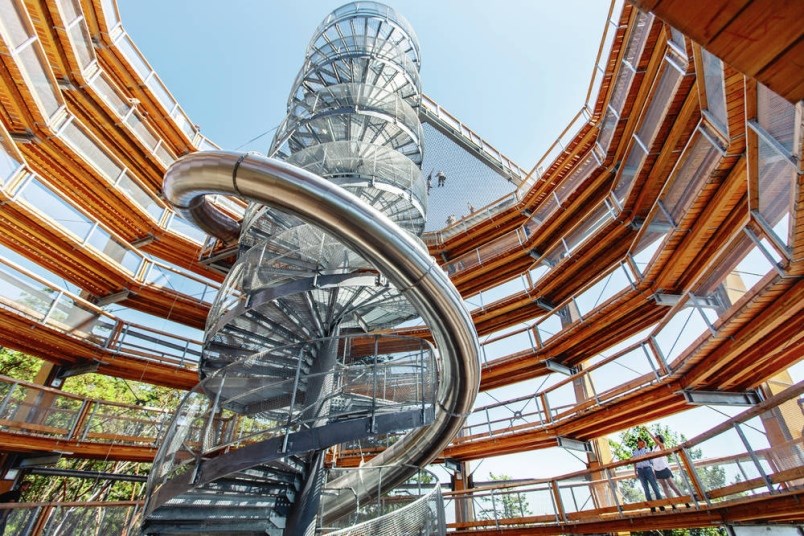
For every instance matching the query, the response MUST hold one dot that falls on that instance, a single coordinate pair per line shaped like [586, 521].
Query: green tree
[504, 504]
[102, 387]
[18, 365]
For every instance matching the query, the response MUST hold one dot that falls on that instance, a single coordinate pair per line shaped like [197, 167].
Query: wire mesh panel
[415, 508]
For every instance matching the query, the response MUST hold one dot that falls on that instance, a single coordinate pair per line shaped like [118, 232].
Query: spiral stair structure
[297, 355]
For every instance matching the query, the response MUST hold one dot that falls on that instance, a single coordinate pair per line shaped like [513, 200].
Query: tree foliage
[504, 504]
[18, 365]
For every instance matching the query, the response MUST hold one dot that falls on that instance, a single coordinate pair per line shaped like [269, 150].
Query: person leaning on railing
[662, 470]
[12, 496]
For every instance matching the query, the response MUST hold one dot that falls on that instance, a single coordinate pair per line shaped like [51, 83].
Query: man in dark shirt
[12, 496]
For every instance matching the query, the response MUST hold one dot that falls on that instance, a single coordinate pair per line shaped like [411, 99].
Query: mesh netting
[416, 508]
[469, 183]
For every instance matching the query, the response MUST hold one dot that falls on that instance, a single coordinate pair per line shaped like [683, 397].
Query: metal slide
[297, 354]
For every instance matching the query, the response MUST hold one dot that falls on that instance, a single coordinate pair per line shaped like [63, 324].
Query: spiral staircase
[297, 355]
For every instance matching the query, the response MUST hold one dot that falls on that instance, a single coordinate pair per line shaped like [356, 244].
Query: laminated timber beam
[21, 333]
[82, 449]
[785, 508]
[761, 39]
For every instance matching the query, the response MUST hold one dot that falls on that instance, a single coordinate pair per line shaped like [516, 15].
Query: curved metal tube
[380, 241]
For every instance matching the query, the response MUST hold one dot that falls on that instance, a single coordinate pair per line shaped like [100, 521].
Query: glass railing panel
[13, 23]
[108, 519]
[25, 294]
[609, 378]
[166, 277]
[108, 93]
[577, 177]
[777, 177]
[184, 123]
[33, 64]
[123, 425]
[150, 344]
[70, 219]
[777, 117]
[602, 290]
[690, 176]
[659, 103]
[650, 241]
[133, 55]
[715, 90]
[183, 227]
[730, 280]
[82, 43]
[90, 150]
[70, 10]
[591, 222]
[143, 133]
[554, 256]
[607, 128]
[229, 204]
[156, 323]
[677, 332]
[31, 411]
[546, 208]
[506, 345]
[37, 195]
[551, 325]
[621, 86]
[110, 13]
[119, 252]
[9, 257]
[140, 197]
[629, 170]
[161, 92]
[639, 35]
[70, 315]
[505, 289]
[776, 447]
[538, 272]
[499, 419]
[207, 145]
[577, 493]
[723, 460]
[164, 155]
[10, 161]
[562, 399]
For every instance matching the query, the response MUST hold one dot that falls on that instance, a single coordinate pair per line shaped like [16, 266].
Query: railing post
[696, 482]
[374, 388]
[292, 400]
[614, 494]
[42, 520]
[754, 458]
[81, 418]
[494, 509]
[7, 398]
[547, 414]
[488, 422]
[560, 513]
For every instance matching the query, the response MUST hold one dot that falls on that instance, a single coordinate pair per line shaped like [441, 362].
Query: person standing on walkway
[644, 471]
[662, 470]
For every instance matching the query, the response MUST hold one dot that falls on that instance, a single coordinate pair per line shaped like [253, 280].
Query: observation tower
[297, 356]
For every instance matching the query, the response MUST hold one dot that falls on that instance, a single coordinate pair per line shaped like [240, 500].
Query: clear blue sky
[516, 71]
